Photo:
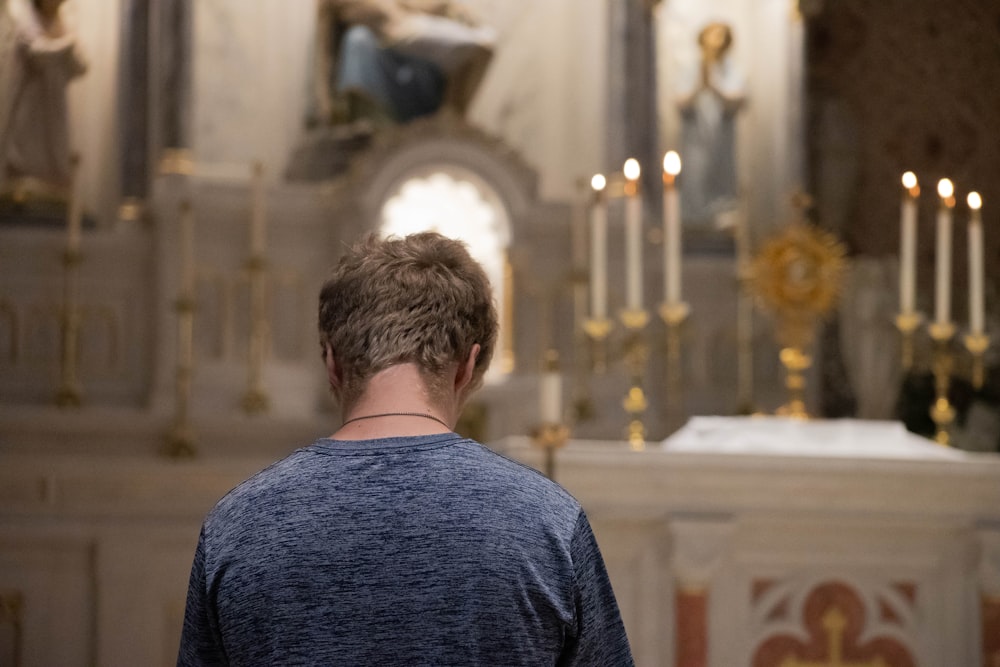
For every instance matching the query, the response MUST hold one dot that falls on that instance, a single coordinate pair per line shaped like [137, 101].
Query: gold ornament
[797, 277]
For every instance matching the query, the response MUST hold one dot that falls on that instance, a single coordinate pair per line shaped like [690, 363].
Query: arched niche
[443, 175]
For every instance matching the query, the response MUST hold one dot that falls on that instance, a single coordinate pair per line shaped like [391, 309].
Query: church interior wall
[97, 525]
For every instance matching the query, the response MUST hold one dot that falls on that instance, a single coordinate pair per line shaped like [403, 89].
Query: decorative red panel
[834, 617]
[692, 628]
[991, 631]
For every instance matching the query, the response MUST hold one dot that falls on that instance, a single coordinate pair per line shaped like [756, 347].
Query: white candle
[671, 229]
[975, 264]
[942, 292]
[598, 250]
[187, 250]
[908, 244]
[74, 208]
[633, 237]
[257, 213]
[550, 390]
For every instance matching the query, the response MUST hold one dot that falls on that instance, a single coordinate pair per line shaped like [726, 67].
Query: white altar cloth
[793, 437]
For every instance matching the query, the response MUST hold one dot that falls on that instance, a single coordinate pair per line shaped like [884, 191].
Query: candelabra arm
[942, 411]
[977, 344]
[907, 323]
[674, 315]
[256, 400]
[180, 442]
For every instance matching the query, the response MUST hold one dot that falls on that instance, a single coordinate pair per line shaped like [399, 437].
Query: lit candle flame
[631, 169]
[945, 188]
[672, 163]
[909, 180]
[598, 182]
[975, 201]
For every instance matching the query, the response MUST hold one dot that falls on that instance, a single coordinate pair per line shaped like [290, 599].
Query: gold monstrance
[797, 277]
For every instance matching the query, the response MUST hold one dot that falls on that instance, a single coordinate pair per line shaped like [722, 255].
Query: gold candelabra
[942, 358]
[977, 344]
[597, 329]
[550, 437]
[942, 364]
[181, 441]
[674, 315]
[256, 400]
[551, 434]
[636, 358]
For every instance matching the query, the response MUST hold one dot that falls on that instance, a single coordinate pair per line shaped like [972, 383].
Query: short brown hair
[419, 299]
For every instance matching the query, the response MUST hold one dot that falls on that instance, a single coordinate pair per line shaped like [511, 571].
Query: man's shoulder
[519, 476]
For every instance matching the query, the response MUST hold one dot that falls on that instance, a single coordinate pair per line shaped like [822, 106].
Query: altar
[769, 542]
[736, 542]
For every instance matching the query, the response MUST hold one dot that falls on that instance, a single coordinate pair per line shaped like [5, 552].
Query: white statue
[708, 105]
[38, 58]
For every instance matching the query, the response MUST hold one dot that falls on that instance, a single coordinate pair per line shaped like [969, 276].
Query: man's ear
[332, 370]
[467, 370]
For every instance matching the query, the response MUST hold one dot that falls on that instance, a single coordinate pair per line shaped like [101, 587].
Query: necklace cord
[397, 414]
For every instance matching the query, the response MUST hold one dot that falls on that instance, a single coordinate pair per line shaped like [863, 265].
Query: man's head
[420, 299]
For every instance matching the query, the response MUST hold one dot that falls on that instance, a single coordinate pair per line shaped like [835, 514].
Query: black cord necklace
[397, 414]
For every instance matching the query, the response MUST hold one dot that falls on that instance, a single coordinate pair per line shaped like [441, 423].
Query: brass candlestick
[180, 441]
[942, 411]
[977, 344]
[69, 394]
[674, 315]
[907, 323]
[597, 331]
[256, 400]
[551, 438]
[636, 358]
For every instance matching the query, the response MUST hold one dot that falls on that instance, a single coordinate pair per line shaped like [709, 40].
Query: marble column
[632, 81]
[134, 99]
[172, 75]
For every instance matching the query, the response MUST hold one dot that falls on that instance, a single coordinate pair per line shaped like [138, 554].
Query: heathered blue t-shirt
[427, 550]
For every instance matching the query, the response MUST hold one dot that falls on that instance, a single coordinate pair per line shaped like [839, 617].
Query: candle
[74, 209]
[550, 390]
[633, 236]
[598, 250]
[187, 250]
[908, 244]
[671, 229]
[942, 292]
[975, 264]
[257, 212]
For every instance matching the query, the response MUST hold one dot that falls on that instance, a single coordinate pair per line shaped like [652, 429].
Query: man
[396, 541]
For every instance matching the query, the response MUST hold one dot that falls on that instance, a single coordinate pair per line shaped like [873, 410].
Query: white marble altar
[715, 554]
[730, 540]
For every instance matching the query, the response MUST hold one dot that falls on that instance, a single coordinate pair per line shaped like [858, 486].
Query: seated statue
[395, 60]
[38, 58]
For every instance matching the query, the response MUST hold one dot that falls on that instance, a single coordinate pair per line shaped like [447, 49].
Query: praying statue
[390, 61]
[39, 56]
[708, 108]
